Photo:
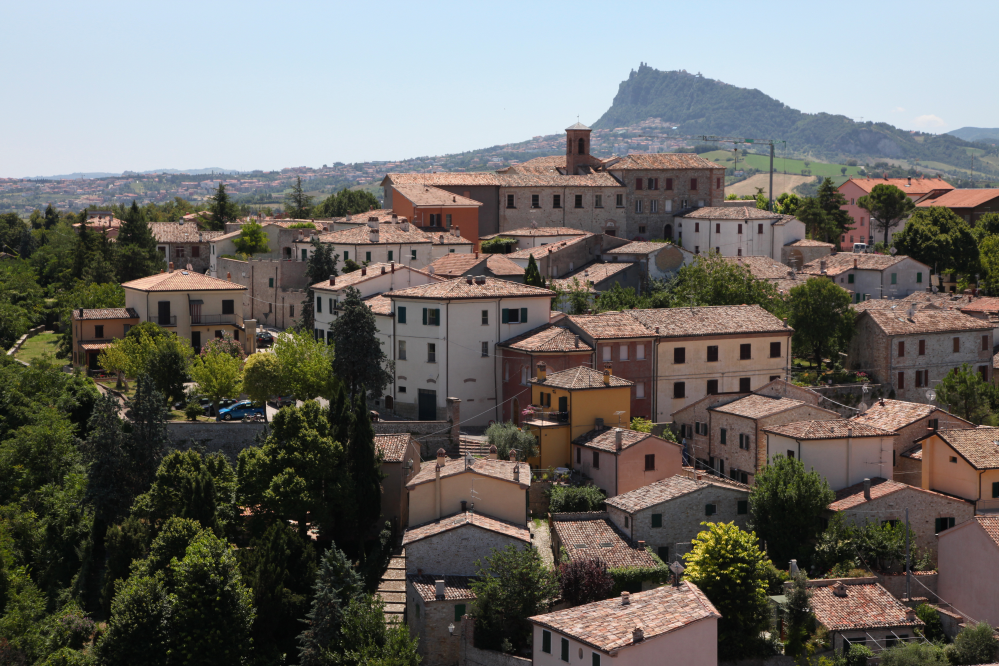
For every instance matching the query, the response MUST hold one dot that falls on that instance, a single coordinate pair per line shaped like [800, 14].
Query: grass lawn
[36, 347]
[762, 162]
[112, 383]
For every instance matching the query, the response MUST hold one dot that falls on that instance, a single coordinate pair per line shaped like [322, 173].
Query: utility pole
[737, 141]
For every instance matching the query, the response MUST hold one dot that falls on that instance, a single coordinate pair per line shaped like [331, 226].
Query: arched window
[582, 146]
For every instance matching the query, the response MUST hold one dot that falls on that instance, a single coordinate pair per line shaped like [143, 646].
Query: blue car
[238, 411]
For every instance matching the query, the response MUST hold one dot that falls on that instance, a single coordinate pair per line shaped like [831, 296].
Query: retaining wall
[431, 435]
[895, 584]
[215, 437]
[850, 395]
[20, 341]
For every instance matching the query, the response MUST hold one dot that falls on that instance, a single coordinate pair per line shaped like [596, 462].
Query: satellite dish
[862, 407]
[677, 568]
[931, 395]
[935, 289]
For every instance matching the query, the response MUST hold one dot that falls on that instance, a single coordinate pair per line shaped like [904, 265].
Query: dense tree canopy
[939, 238]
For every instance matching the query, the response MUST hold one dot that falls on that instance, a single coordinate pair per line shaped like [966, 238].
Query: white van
[860, 248]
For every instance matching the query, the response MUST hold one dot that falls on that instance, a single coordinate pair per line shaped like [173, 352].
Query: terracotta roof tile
[895, 414]
[445, 179]
[710, 320]
[580, 377]
[466, 519]
[380, 304]
[763, 268]
[390, 234]
[757, 406]
[827, 429]
[843, 261]
[914, 187]
[606, 439]
[638, 247]
[991, 526]
[547, 338]
[915, 453]
[608, 625]
[105, 313]
[549, 248]
[532, 178]
[979, 446]
[611, 325]
[529, 232]
[893, 322]
[456, 588]
[982, 305]
[174, 232]
[457, 265]
[865, 606]
[661, 491]
[995, 361]
[655, 161]
[460, 289]
[808, 242]
[731, 213]
[182, 281]
[427, 195]
[595, 273]
[596, 536]
[393, 447]
[96, 346]
[970, 198]
[853, 496]
[497, 469]
[369, 272]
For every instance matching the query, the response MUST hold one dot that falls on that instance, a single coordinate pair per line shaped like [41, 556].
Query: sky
[112, 86]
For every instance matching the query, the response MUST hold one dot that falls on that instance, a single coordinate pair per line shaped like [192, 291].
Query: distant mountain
[106, 174]
[698, 105]
[977, 133]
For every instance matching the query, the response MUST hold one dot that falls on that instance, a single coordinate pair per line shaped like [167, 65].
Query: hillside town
[585, 407]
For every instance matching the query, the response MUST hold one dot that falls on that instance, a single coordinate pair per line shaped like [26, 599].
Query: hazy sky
[110, 86]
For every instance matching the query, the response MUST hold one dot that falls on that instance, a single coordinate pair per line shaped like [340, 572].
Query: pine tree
[321, 265]
[148, 413]
[532, 276]
[360, 360]
[298, 204]
[105, 452]
[135, 246]
[336, 586]
[222, 208]
[365, 468]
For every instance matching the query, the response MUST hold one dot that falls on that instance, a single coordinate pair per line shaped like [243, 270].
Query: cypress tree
[148, 414]
[532, 276]
[136, 246]
[336, 585]
[222, 209]
[365, 470]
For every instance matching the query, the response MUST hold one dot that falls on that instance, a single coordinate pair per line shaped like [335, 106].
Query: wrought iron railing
[164, 321]
[206, 319]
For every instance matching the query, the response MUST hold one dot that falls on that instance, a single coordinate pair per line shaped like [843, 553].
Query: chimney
[641, 545]
[373, 236]
[854, 262]
[383, 270]
[618, 438]
[364, 270]
[393, 266]
[480, 280]
[910, 180]
[171, 267]
[542, 371]
[476, 254]
[867, 489]
[638, 635]
[625, 598]
[439, 589]
[785, 322]
[849, 431]
[910, 615]
[577, 341]
[839, 589]
[468, 279]
[822, 266]
[441, 457]
[464, 506]
[332, 280]
[513, 455]
[493, 455]
[228, 276]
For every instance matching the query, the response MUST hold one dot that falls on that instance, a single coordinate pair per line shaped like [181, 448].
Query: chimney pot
[867, 489]
[513, 455]
[641, 544]
[228, 276]
[468, 279]
[638, 635]
[383, 270]
[171, 267]
[618, 437]
[332, 280]
[839, 589]
[476, 254]
[577, 341]
[441, 457]
[625, 598]
[493, 455]
[542, 371]
[364, 271]
[516, 471]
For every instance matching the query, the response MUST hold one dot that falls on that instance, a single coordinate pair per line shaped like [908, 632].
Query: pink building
[855, 188]
[966, 556]
[619, 461]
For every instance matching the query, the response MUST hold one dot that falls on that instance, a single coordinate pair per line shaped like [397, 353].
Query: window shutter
[995, 489]
[459, 610]
[938, 525]
[523, 315]
[506, 315]
[724, 436]
[401, 311]
[657, 520]
[424, 316]
[546, 641]
[437, 316]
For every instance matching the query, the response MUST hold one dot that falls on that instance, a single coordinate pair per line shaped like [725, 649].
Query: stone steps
[392, 588]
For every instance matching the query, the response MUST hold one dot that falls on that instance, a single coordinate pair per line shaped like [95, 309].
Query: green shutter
[596, 659]
[390, 255]
[937, 525]
[401, 310]
[346, 255]
[367, 256]
[565, 649]
[437, 316]
[849, 278]
[424, 316]
[546, 641]
[894, 278]
[459, 610]
[919, 277]
[270, 282]
[657, 520]
[523, 315]
[743, 507]
[506, 315]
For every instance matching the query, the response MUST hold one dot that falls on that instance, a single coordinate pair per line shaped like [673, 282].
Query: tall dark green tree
[821, 317]
[189, 485]
[320, 266]
[938, 237]
[887, 205]
[966, 393]
[365, 469]
[336, 586]
[135, 247]
[106, 452]
[222, 208]
[359, 361]
[532, 276]
[345, 202]
[148, 415]
[51, 217]
[297, 203]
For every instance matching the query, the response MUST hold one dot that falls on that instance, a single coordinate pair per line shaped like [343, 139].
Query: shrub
[193, 410]
[639, 424]
[570, 499]
[506, 437]
[975, 644]
[858, 655]
[933, 631]
[914, 654]
[584, 581]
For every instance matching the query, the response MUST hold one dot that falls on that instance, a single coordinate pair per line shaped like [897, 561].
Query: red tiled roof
[991, 526]
[547, 338]
[970, 198]
[460, 289]
[893, 322]
[369, 272]
[654, 161]
[606, 439]
[595, 273]
[844, 261]
[497, 469]
[390, 234]
[611, 325]
[827, 430]
[393, 447]
[182, 281]
[457, 265]
[609, 625]
[757, 406]
[638, 247]
[456, 588]
[731, 213]
[95, 346]
[895, 414]
[580, 377]
[595, 537]
[663, 491]
[865, 606]
[104, 313]
[549, 248]
[917, 187]
[531, 232]
[427, 195]
[174, 232]
[444, 179]
[380, 304]
[808, 242]
[986, 304]
[763, 268]
[853, 496]
[710, 320]
[466, 519]
[979, 446]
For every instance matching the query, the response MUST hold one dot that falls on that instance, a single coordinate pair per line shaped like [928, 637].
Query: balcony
[209, 319]
[164, 321]
[548, 416]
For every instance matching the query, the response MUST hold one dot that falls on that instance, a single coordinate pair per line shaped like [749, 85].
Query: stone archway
[610, 228]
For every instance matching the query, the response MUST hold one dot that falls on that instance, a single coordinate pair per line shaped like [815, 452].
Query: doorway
[668, 232]
[427, 405]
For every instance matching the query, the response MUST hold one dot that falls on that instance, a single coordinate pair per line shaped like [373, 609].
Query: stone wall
[20, 341]
[669, 201]
[277, 303]
[455, 552]
[895, 584]
[588, 218]
[537, 497]
[215, 437]
[428, 621]
[850, 395]
[430, 435]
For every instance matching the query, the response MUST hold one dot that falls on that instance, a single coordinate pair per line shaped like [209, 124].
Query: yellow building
[573, 402]
[965, 464]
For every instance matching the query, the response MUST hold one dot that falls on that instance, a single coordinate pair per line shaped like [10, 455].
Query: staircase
[392, 587]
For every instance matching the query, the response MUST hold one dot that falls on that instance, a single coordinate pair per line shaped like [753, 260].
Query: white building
[738, 231]
[872, 275]
[445, 339]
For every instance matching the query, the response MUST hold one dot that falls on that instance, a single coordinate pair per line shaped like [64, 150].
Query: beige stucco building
[400, 460]
[963, 463]
[968, 556]
[619, 461]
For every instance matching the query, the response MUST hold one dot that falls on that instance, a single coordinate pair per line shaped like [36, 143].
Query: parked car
[206, 404]
[239, 410]
[265, 339]
[283, 401]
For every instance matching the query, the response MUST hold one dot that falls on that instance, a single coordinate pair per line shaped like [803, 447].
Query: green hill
[988, 134]
[698, 105]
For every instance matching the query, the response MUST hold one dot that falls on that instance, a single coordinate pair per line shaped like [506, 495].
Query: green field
[762, 162]
[38, 346]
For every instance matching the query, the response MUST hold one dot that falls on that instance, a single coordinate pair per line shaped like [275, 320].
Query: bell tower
[577, 148]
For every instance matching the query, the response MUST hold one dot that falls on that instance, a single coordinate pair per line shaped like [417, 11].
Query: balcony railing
[988, 505]
[549, 415]
[164, 321]
[206, 319]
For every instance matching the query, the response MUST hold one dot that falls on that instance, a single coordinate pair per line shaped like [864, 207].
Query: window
[983, 370]
[509, 201]
[717, 228]
[759, 229]
[985, 343]
[431, 352]
[623, 353]
[712, 353]
[901, 380]
[291, 310]
[546, 641]
[738, 252]
[919, 379]
[99, 331]
[367, 256]
[565, 650]
[944, 524]
[743, 442]
[957, 345]
[657, 520]
[485, 317]
[775, 350]
[697, 249]
[742, 507]
[712, 387]
[711, 509]
[894, 278]
[431, 316]
[697, 227]
[640, 390]
[401, 312]
[228, 307]
[638, 183]
[578, 201]
[607, 352]
[523, 376]
[933, 424]
[514, 315]
[650, 462]
[738, 229]
[402, 350]
[485, 349]
[435, 219]
[346, 255]
[723, 435]
[922, 347]
[669, 183]
[744, 385]
[319, 304]
[663, 553]
[901, 348]
[693, 184]
[679, 390]
[412, 255]
[391, 255]
[598, 201]
[654, 206]
[641, 230]
[178, 253]
[579, 459]
[790, 454]
[849, 278]
[270, 283]
[953, 459]
[640, 352]
[557, 201]
[535, 201]
[638, 205]
[653, 183]
[619, 200]
[995, 489]
[679, 355]
[596, 460]
[459, 610]
[745, 351]
[447, 218]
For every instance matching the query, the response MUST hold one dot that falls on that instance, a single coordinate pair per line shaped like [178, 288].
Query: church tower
[577, 148]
